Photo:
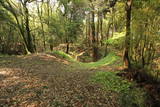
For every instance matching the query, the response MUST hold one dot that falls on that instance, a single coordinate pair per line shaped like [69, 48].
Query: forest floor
[43, 80]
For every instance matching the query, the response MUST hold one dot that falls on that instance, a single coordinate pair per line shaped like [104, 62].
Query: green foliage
[108, 60]
[72, 16]
[57, 26]
[6, 17]
[111, 58]
[144, 39]
[112, 82]
[119, 16]
[117, 39]
[129, 95]
[63, 55]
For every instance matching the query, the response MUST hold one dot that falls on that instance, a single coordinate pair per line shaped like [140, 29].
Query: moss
[129, 94]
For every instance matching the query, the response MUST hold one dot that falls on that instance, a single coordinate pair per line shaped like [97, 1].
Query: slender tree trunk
[101, 28]
[29, 37]
[34, 36]
[67, 48]
[127, 62]
[113, 26]
[98, 22]
[94, 43]
[44, 37]
[107, 36]
[89, 30]
[51, 47]
[48, 9]
[42, 27]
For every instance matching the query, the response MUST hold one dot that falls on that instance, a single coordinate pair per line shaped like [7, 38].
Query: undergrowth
[63, 55]
[129, 94]
[3, 55]
[111, 58]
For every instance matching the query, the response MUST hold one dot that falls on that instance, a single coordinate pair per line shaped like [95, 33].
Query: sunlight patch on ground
[5, 71]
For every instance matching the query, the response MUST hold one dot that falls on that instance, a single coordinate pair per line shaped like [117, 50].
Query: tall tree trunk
[51, 47]
[127, 62]
[89, 30]
[94, 43]
[87, 43]
[107, 37]
[101, 28]
[48, 9]
[98, 22]
[42, 26]
[34, 36]
[29, 37]
[43, 33]
[113, 26]
[67, 48]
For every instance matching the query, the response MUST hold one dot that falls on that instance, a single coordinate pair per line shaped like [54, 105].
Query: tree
[73, 16]
[94, 41]
[143, 42]
[40, 14]
[23, 28]
[128, 33]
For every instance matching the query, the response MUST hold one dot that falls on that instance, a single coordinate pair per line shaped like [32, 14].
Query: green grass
[63, 55]
[111, 81]
[109, 59]
[129, 95]
[3, 55]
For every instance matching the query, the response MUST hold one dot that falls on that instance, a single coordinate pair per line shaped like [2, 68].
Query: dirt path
[46, 81]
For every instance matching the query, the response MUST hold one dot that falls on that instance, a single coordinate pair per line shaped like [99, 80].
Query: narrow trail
[42, 80]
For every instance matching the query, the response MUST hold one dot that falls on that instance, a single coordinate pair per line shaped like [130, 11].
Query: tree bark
[94, 42]
[101, 28]
[29, 37]
[127, 62]
[107, 37]
[89, 30]
[42, 26]
[67, 48]
[98, 22]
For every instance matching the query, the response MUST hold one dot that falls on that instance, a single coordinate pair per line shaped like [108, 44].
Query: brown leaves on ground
[42, 80]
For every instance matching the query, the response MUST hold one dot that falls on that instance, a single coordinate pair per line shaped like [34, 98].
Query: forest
[79, 53]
